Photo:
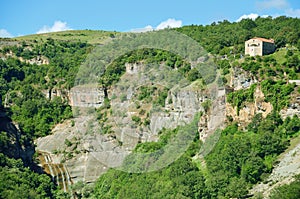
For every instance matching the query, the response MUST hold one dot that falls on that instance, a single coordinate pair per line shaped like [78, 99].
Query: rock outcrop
[86, 96]
[245, 115]
[88, 149]
[84, 151]
[241, 79]
[79, 96]
[64, 94]
[292, 109]
[214, 117]
[87, 153]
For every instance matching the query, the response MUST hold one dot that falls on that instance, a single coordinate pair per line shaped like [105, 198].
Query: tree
[248, 24]
[252, 169]
[237, 188]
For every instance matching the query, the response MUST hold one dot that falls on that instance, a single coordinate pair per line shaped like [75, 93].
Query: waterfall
[68, 177]
[47, 159]
[63, 179]
[58, 172]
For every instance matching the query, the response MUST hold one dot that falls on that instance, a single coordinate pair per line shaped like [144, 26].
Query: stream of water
[58, 172]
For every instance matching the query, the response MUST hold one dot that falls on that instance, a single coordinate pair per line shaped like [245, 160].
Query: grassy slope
[89, 36]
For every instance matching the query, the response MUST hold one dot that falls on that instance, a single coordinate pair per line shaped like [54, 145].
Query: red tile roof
[264, 40]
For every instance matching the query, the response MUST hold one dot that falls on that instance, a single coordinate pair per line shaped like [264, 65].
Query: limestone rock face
[185, 104]
[64, 94]
[214, 118]
[291, 110]
[132, 68]
[87, 153]
[86, 96]
[246, 113]
[241, 79]
[39, 60]
[88, 149]
[79, 96]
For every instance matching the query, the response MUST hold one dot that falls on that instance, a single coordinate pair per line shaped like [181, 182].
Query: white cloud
[5, 34]
[293, 12]
[267, 4]
[57, 26]
[169, 23]
[249, 16]
[145, 29]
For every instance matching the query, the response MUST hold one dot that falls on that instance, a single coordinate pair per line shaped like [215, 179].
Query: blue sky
[22, 17]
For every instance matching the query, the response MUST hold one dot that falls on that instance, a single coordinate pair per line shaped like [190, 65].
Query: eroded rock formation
[247, 112]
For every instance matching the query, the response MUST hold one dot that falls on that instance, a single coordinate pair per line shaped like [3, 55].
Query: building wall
[255, 47]
[268, 48]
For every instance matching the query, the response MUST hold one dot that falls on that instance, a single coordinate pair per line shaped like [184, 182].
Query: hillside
[88, 36]
[176, 113]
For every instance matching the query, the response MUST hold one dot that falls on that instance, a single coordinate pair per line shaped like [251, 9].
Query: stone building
[259, 46]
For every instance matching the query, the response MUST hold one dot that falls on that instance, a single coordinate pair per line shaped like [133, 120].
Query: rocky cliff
[250, 109]
[13, 143]
[241, 79]
[292, 109]
[87, 151]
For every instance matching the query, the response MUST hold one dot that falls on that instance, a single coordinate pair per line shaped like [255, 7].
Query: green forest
[244, 155]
